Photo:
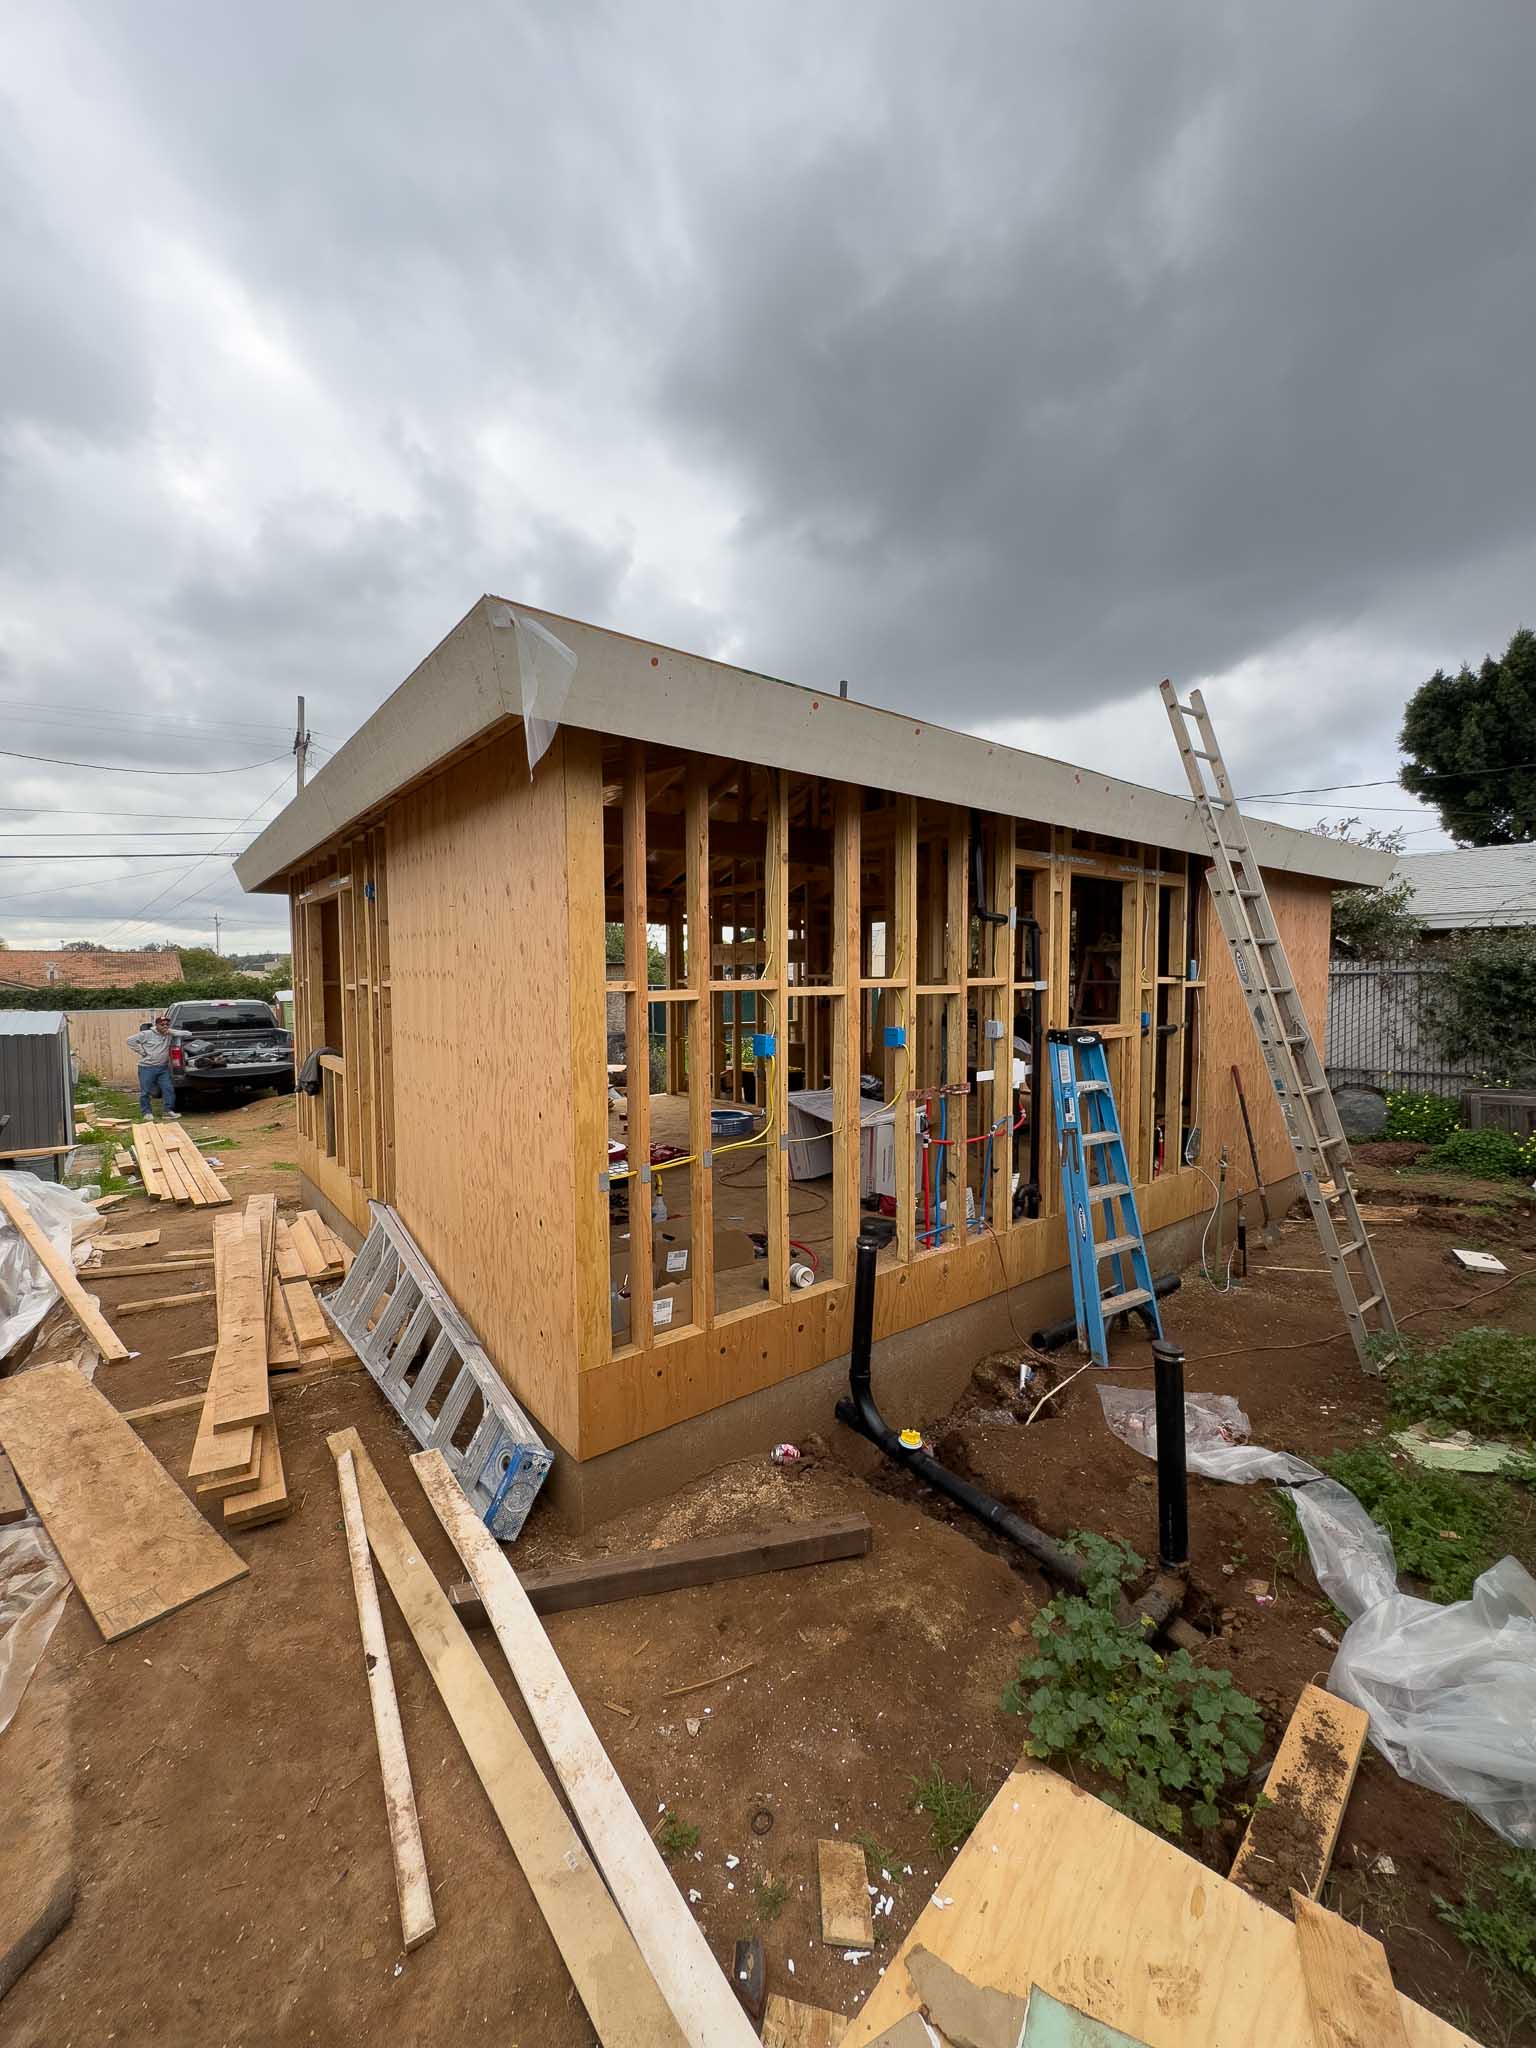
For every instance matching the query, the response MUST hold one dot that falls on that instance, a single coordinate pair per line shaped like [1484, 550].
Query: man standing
[152, 1049]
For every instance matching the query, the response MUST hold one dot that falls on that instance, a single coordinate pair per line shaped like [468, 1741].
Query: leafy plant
[1413, 1113]
[885, 1866]
[1480, 1380]
[1161, 1727]
[1495, 1920]
[1482, 1155]
[772, 1894]
[678, 1837]
[952, 1809]
[1480, 1005]
[1446, 1528]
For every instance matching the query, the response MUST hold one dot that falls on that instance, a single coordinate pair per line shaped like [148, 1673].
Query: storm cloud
[1001, 359]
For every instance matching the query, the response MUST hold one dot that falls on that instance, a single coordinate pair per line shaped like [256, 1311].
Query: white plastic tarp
[1451, 1691]
[26, 1292]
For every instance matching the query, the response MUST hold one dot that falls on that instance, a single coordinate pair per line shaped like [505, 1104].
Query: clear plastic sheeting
[26, 1292]
[1451, 1691]
[545, 667]
[33, 1588]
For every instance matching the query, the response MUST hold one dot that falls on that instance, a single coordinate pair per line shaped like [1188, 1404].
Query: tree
[1481, 1005]
[1372, 924]
[1471, 745]
[81, 946]
[201, 964]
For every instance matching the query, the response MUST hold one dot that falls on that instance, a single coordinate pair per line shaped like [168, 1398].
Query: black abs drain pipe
[858, 1410]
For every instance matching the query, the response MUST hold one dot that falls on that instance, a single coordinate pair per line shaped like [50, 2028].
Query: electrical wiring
[1226, 1287]
[124, 923]
[116, 767]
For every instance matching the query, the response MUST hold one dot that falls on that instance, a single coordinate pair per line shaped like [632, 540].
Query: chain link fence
[1377, 1037]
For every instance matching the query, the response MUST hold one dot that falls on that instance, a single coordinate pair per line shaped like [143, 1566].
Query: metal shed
[36, 1089]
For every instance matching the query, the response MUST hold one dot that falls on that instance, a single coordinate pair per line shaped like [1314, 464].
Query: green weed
[678, 1837]
[1481, 1380]
[1445, 1527]
[1411, 1114]
[284, 1166]
[1495, 1920]
[1161, 1727]
[952, 1809]
[885, 1866]
[1481, 1155]
[772, 1895]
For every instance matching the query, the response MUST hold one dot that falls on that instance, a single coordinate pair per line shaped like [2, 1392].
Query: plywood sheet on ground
[1117, 1922]
[135, 1545]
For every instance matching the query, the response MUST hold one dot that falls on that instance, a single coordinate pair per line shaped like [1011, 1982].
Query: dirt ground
[234, 1871]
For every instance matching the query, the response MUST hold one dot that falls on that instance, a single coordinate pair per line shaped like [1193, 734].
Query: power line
[1385, 782]
[139, 916]
[115, 768]
[65, 811]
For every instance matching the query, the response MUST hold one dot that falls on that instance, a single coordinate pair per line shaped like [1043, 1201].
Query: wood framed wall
[461, 951]
[952, 985]
[339, 913]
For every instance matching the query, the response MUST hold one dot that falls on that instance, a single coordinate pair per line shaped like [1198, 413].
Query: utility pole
[300, 746]
[216, 925]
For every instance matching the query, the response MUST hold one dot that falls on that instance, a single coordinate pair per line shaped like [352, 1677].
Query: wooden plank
[282, 1344]
[1054, 1888]
[217, 1452]
[238, 1386]
[595, 1581]
[38, 1151]
[302, 1240]
[847, 1916]
[1350, 1993]
[150, 1170]
[309, 1324]
[620, 1996]
[267, 1499]
[13, 1506]
[152, 1301]
[1289, 1845]
[188, 1265]
[62, 1274]
[127, 1240]
[668, 1936]
[134, 1544]
[235, 1478]
[787, 2023]
[417, 1919]
[289, 1265]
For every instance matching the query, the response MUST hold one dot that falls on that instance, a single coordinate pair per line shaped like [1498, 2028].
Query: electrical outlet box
[992, 1027]
[895, 1035]
[764, 1045]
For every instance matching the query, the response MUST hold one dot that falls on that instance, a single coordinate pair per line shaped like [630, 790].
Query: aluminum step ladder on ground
[1285, 1038]
[1096, 1185]
[429, 1367]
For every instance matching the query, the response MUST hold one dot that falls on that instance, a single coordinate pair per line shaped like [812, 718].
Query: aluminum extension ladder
[1096, 1181]
[393, 1312]
[1285, 1038]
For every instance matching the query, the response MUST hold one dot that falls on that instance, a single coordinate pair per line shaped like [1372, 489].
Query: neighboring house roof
[473, 683]
[87, 970]
[1472, 888]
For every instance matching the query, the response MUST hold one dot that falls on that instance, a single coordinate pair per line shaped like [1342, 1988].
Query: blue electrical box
[895, 1035]
[764, 1045]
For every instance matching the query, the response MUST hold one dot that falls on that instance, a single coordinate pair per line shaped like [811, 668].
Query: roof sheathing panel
[632, 689]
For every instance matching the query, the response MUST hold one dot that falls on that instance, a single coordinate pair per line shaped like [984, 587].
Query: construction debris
[61, 1273]
[847, 1920]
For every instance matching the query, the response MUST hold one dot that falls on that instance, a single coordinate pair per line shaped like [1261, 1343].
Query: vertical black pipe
[1172, 1479]
[866, 1253]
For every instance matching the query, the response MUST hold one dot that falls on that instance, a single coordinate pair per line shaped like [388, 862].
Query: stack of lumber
[306, 1250]
[236, 1458]
[173, 1170]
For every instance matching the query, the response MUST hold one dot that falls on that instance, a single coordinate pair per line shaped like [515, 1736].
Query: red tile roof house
[87, 970]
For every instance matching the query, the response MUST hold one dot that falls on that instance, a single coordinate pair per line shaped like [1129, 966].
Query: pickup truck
[231, 1045]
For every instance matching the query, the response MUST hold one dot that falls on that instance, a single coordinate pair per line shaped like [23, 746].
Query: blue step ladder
[1096, 1188]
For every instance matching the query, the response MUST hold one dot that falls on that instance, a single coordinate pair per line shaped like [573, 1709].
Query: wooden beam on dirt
[37, 1152]
[847, 1918]
[595, 1581]
[621, 1997]
[187, 1265]
[417, 1919]
[787, 2023]
[265, 1498]
[189, 1404]
[142, 1307]
[134, 1544]
[1350, 1992]
[668, 1936]
[1289, 1843]
[237, 1387]
[62, 1274]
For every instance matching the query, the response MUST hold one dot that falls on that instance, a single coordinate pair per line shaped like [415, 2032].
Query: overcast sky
[1000, 358]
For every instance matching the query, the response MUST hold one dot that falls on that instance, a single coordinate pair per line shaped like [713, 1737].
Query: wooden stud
[62, 1274]
[620, 1995]
[774, 933]
[414, 1892]
[701, 1069]
[580, 761]
[637, 1045]
[668, 1936]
